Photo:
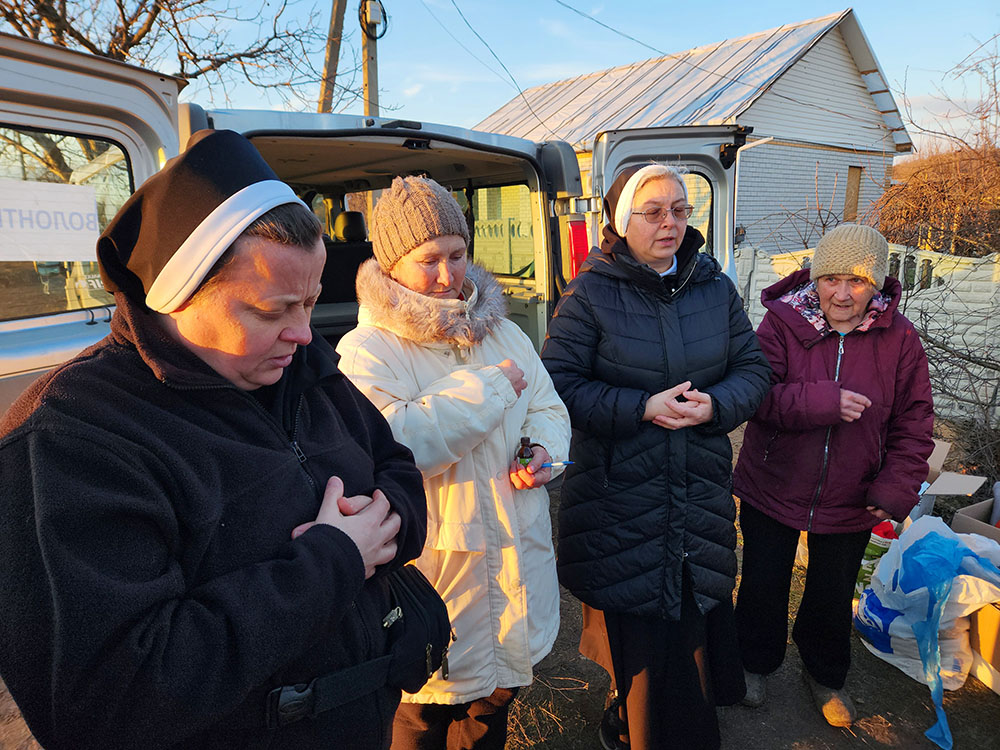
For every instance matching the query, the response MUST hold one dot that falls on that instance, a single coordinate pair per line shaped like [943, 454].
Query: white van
[79, 133]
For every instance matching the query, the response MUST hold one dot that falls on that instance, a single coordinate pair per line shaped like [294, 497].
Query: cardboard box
[974, 519]
[984, 637]
[942, 482]
[936, 460]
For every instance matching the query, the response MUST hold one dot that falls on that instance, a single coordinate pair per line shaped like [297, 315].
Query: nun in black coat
[653, 355]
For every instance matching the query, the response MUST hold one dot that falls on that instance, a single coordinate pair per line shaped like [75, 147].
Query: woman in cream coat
[460, 385]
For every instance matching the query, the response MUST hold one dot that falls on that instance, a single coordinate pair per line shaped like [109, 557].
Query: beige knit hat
[854, 249]
[412, 211]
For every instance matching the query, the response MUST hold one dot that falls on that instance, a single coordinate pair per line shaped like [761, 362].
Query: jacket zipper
[826, 442]
[293, 443]
[299, 454]
[767, 449]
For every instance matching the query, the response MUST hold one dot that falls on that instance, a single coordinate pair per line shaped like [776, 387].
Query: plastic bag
[927, 581]
[882, 535]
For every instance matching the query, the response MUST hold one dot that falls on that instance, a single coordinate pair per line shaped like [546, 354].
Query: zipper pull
[390, 619]
[430, 669]
[444, 663]
[298, 452]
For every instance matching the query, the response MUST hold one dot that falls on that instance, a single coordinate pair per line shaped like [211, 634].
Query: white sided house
[825, 127]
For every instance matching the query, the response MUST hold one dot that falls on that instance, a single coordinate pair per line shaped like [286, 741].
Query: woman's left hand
[879, 513]
[532, 475]
[697, 409]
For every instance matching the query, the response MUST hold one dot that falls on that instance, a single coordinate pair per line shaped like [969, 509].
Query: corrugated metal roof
[708, 85]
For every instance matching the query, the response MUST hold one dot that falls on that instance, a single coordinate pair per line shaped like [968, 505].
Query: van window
[700, 196]
[57, 192]
[504, 241]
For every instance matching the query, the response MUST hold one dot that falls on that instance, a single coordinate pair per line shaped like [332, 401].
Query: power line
[513, 80]
[459, 43]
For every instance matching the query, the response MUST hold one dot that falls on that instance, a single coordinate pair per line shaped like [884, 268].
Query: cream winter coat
[429, 366]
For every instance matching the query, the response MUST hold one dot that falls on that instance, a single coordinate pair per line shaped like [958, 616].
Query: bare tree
[944, 206]
[219, 43]
[948, 199]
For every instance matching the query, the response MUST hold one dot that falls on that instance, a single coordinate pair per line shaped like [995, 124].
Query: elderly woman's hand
[879, 513]
[532, 475]
[852, 405]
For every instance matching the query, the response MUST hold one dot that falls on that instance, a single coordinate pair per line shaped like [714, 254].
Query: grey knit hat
[854, 249]
[412, 211]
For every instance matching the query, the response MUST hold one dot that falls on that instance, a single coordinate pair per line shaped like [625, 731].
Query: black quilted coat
[641, 500]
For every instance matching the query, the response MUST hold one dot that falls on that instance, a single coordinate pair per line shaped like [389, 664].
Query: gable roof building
[814, 88]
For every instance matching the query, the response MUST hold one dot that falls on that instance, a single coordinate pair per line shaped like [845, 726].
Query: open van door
[508, 188]
[78, 133]
[707, 151]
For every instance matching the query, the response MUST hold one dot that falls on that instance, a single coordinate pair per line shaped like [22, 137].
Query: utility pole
[332, 55]
[371, 17]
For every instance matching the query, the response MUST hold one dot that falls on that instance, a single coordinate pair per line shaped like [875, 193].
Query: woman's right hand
[371, 523]
[661, 404]
[514, 374]
[852, 405]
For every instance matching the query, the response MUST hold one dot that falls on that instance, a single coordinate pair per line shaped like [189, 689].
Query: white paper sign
[47, 221]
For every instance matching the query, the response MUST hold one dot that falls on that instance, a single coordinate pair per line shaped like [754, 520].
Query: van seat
[349, 226]
[345, 252]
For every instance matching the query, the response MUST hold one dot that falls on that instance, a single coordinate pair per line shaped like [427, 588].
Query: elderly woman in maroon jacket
[838, 444]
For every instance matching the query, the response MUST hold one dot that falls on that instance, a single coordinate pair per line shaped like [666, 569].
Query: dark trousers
[670, 675]
[822, 628]
[479, 725]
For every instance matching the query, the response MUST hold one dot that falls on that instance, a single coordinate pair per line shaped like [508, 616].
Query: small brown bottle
[524, 453]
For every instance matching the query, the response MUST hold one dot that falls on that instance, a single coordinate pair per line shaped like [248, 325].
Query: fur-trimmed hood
[388, 304]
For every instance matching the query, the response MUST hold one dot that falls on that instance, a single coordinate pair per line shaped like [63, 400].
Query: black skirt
[670, 674]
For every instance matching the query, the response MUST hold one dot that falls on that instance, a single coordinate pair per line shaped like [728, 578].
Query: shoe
[835, 705]
[756, 689]
[611, 726]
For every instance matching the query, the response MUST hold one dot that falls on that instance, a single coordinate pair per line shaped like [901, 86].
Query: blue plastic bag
[912, 584]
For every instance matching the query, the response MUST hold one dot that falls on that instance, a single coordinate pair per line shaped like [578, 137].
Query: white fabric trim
[187, 267]
[623, 211]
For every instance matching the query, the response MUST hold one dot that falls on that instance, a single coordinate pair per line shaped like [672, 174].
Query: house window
[894, 265]
[852, 194]
[909, 272]
[925, 274]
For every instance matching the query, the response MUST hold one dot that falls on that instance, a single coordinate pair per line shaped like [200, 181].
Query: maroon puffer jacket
[802, 465]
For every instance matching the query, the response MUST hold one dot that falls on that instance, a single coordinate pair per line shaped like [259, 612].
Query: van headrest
[349, 226]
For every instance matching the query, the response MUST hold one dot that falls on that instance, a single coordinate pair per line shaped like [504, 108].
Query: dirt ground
[563, 707]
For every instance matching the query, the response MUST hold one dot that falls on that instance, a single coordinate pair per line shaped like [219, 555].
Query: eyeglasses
[656, 215]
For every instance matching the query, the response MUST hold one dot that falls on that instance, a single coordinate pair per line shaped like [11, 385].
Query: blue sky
[432, 66]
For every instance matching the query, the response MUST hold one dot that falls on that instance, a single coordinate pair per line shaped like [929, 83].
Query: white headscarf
[623, 211]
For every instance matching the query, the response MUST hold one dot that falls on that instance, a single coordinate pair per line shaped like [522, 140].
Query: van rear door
[339, 164]
[78, 133]
[709, 154]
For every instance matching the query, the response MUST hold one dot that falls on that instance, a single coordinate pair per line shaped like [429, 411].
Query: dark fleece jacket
[151, 592]
[800, 463]
[641, 501]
